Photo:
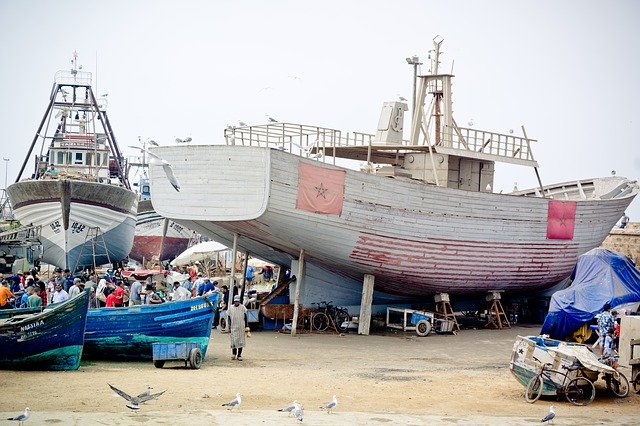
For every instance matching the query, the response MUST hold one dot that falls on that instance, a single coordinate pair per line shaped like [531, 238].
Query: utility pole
[6, 167]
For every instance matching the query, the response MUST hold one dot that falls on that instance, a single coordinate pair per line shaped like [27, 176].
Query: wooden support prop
[232, 277]
[496, 317]
[296, 302]
[364, 320]
[444, 310]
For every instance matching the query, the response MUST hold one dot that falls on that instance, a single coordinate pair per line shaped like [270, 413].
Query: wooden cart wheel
[158, 363]
[195, 358]
[423, 327]
[534, 389]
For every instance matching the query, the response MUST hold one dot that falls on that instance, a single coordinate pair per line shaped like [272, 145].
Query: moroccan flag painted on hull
[320, 190]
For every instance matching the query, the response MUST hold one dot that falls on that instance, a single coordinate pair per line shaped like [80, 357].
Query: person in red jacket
[111, 298]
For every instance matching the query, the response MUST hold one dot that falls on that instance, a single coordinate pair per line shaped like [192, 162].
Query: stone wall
[625, 241]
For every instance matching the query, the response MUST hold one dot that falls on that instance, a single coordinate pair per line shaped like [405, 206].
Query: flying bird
[21, 417]
[549, 417]
[235, 403]
[242, 123]
[135, 401]
[402, 98]
[330, 406]
[186, 140]
[166, 166]
[289, 408]
[271, 119]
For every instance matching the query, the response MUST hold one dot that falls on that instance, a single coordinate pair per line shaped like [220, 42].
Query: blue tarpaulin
[600, 276]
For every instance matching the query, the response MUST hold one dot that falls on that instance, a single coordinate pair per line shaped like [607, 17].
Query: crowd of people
[112, 289]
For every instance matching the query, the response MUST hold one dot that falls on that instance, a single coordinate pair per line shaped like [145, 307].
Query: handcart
[189, 352]
[552, 367]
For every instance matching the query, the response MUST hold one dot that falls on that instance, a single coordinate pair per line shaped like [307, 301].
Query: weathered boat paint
[129, 333]
[49, 340]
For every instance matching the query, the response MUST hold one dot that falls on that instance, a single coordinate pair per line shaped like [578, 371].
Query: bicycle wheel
[534, 389]
[618, 385]
[342, 318]
[320, 321]
[580, 391]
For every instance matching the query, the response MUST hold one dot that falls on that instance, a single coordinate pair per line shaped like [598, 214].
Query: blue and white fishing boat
[47, 340]
[78, 192]
[129, 333]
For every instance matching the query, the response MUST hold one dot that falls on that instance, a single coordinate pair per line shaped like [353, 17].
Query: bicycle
[328, 314]
[616, 383]
[578, 390]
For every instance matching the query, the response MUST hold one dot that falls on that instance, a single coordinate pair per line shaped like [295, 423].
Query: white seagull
[271, 119]
[135, 401]
[290, 408]
[166, 166]
[402, 98]
[298, 412]
[234, 403]
[21, 417]
[329, 406]
[242, 123]
[549, 417]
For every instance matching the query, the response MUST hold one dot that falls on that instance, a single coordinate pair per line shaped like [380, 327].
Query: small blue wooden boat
[129, 333]
[47, 340]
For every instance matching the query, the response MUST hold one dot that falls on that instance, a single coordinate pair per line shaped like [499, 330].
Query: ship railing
[486, 142]
[73, 78]
[311, 140]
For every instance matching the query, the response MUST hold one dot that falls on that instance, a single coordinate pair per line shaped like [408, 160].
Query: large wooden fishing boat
[420, 215]
[47, 340]
[78, 191]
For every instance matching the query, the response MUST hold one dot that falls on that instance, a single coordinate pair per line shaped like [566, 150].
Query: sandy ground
[394, 377]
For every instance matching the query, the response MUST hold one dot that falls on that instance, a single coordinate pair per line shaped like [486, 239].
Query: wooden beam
[364, 319]
[232, 277]
[296, 300]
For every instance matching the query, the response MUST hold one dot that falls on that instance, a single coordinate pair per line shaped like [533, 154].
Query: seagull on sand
[166, 166]
[330, 406]
[549, 417]
[298, 412]
[289, 408]
[234, 403]
[135, 401]
[21, 417]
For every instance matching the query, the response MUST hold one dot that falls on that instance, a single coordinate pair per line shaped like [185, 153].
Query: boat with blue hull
[47, 340]
[129, 333]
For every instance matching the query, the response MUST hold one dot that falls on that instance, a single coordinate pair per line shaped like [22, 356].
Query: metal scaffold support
[95, 238]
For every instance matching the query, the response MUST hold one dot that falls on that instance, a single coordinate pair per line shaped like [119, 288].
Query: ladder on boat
[95, 238]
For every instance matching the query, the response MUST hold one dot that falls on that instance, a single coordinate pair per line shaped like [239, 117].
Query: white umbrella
[198, 253]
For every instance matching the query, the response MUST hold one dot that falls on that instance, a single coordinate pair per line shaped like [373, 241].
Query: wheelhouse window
[78, 158]
[59, 157]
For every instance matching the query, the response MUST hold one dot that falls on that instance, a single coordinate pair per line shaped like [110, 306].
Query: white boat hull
[67, 210]
[416, 239]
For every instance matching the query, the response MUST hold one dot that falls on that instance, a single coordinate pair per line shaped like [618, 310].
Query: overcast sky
[566, 70]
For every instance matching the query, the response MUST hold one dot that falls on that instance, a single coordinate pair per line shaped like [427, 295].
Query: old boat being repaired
[48, 340]
[78, 191]
[129, 333]
[156, 238]
[420, 216]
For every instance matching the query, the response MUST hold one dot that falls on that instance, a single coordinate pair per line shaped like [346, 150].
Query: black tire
[618, 385]
[580, 391]
[195, 358]
[320, 321]
[636, 382]
[158, 363]
[534, 389]
[342, 317]
[423, 328]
